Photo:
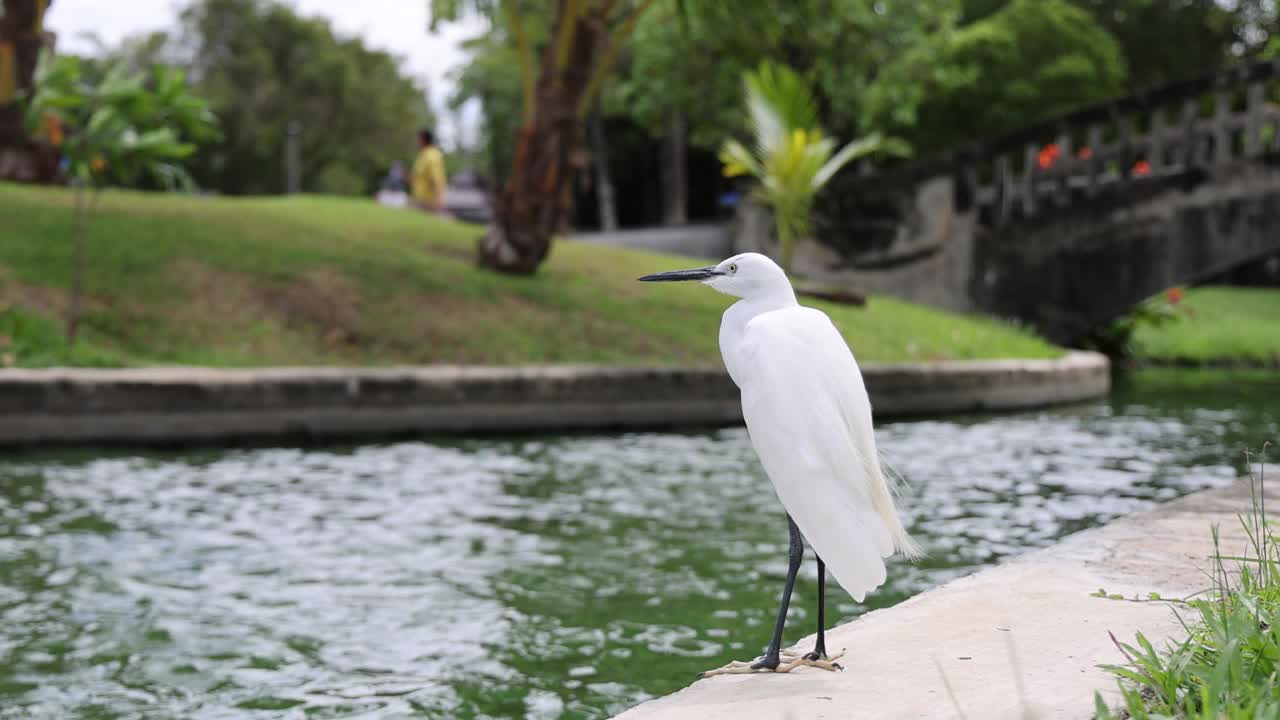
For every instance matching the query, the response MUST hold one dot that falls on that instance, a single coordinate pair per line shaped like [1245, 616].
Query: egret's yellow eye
[733, 267]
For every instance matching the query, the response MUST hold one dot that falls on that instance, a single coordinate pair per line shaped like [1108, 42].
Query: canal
[536, 576]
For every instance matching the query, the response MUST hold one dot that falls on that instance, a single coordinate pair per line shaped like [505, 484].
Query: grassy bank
[1219, 325]
[318, 280]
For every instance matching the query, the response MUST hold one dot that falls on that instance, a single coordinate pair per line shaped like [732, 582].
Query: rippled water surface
[522, 577]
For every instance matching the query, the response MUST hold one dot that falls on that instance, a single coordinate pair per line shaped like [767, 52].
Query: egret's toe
[785, 662]
[739, 667]
[814, 659]
[767, 663]
[731, 668]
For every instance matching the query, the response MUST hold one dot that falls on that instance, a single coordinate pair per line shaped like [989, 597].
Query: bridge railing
[1200, 123]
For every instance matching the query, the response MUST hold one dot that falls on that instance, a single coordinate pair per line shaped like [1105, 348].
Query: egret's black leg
[771, 657]
[820, 648]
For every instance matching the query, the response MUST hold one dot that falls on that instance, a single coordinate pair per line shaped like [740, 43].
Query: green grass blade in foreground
[1229, 665]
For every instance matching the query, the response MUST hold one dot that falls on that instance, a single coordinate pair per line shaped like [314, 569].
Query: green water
[522, 577]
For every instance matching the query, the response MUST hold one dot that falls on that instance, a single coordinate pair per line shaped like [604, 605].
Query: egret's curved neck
[733, 323]
[775, 296]
[749, 307]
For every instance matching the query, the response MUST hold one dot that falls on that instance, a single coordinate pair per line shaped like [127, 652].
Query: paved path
[710, 241]
[1025, 628]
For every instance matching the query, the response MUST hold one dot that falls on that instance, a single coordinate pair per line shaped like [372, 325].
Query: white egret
[809, 419]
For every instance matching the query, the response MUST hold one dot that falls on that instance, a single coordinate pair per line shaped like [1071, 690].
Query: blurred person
[394, 180]
[393, 191]
[428, 179]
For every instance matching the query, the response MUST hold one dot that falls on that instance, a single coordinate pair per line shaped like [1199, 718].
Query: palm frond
[854, 150]
[779, 87]
[766, 123]
[738, 160]
[792, 158]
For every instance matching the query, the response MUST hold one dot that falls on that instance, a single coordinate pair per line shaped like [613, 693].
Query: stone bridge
[1068, 224]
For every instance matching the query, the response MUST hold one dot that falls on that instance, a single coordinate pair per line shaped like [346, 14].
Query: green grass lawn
[1220, 324]
[322, 280]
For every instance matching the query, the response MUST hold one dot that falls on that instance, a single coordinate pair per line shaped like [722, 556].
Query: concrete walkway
[183, 405]
[1025, 629]
[705, 240]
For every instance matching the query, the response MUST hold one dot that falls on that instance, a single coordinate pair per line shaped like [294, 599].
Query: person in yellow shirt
[428, 181]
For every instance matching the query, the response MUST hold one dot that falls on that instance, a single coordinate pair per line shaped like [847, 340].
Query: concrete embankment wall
[193, 405]
[184, 405]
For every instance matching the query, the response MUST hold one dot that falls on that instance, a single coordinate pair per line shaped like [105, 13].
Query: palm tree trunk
[21, 38]
[534, 202]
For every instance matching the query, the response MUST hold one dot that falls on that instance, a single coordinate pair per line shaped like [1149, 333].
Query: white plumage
[809, 418]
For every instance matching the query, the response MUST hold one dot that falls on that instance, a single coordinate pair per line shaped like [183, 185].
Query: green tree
[678, 78]
[491, 77]
[1165, 40]
[854, 54]
[679, 82]
[791, 157]
[114, 132]
[846, 50]
[263, 67]
[1026, 62]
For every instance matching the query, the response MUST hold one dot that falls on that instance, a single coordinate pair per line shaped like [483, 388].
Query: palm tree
[791, 157]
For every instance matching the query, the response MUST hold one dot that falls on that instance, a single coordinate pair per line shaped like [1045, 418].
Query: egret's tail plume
[886, 487]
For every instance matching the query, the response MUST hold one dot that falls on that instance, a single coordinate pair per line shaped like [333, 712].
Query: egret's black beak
[677, 275]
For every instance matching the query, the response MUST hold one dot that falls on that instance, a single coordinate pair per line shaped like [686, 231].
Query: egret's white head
[749, 276]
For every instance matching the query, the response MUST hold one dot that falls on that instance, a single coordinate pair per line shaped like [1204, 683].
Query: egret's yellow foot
[786, 663]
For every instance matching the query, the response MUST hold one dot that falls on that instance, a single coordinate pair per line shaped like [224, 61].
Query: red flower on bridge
[1047, 156]
[1050, 153]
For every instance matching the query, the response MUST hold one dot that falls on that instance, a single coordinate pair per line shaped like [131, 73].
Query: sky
[397, 26]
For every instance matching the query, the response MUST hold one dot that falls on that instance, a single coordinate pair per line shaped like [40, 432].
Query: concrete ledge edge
[194, 405]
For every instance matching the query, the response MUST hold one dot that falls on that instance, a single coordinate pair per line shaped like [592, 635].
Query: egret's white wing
[809, 417]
